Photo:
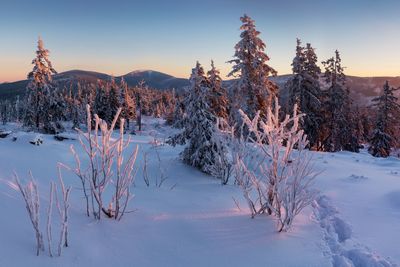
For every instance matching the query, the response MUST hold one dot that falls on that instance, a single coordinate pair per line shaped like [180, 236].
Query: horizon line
[181, 77]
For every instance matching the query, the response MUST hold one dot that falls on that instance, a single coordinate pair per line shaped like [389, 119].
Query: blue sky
[117, 37]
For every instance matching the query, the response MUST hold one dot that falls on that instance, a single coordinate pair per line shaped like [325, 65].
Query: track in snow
[338, 235]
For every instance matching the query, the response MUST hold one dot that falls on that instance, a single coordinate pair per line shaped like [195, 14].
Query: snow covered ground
[191, 220]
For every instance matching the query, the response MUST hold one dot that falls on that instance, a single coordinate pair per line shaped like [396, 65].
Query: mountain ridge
[363, 89]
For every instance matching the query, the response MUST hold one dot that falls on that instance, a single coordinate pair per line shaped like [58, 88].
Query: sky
[120, 36]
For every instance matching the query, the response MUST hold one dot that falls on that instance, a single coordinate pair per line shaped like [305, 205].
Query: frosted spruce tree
[114, 100]
[338, 128]
[218, 98]
[179, 116]
[305, 92]
[388, 112]
[39, 89]
[204, 149]
[253, 90]
[101, 102]
[127, 103]
[55, 112]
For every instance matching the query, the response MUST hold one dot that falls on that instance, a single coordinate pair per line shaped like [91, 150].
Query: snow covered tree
[18, 109]
[179, 115]
[5, 111]
[101, 102]
[388, 112]
[55, 112]
[253, 90]
[305, 92]
[39, 88]
[218, 96]
[337, 129]
[127, 103]
[75, 113]
[205, 149]
[114, 100]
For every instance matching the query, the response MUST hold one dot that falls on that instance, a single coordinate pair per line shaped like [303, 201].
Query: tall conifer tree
[388, 112]
[39, 88]
[253, 90]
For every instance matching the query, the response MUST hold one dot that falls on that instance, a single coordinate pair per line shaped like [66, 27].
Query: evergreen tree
[366, 124]
[338, 128]
[388, 112]
[127, 103]
[204, 150]
[253, 90]
[101, 102]
[39, 88]
[5, 111]
[55, 112]
[218, 97]
[76, 113]
[304, 90]
[114, 100]
[179, 116]
[17, 108]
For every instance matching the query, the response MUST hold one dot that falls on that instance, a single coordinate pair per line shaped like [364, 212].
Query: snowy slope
[191, 220]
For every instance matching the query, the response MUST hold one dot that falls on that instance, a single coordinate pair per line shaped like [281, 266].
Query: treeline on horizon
[331, 121]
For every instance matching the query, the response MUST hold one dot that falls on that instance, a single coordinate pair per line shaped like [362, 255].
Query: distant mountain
[363, 89]
[81, 75]
[153, 79]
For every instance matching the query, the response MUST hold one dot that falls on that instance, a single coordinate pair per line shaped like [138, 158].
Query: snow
[192, 220]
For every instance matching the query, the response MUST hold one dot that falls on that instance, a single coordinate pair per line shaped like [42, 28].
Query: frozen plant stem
[30, 195]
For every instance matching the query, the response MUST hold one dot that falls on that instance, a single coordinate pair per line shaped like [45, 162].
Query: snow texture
[191, 220]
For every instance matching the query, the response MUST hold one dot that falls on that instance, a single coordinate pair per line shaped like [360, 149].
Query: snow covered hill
[153, 79]
[192, 220]
[363, 89]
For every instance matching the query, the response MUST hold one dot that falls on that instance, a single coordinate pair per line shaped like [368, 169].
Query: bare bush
[105, 155]
[160, 176]
[63, 209]
[280, 181]
[30, 194]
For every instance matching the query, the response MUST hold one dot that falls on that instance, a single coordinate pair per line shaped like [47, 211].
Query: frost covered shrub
[278, 177]
[31, 196]
[107, 165]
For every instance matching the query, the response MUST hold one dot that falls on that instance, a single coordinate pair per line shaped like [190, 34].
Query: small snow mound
[4, 134]
[357, 178]
[342, 229]
[37, 140]
[325, 209]
[340, 261]
[360, 258]
[65, 136]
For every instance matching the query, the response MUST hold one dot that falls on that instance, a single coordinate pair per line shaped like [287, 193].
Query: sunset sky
[117, 37]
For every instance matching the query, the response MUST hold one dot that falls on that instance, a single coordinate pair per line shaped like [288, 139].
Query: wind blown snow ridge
[344, 250]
